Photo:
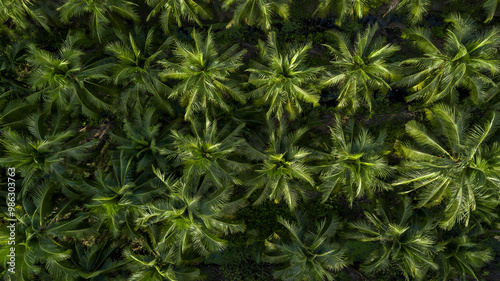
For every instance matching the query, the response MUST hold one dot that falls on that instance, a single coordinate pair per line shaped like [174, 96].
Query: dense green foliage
[249, 140]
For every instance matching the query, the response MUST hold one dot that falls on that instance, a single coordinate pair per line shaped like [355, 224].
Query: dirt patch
[97, 132]
[401, 116]
[212, 273]
[354, 275]
[493, 272]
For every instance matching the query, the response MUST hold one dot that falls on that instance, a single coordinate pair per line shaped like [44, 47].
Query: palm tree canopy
[284, 174]
[40, 226]
[284, 79]
[157, 267]
[306, 249]
[101, 12]
[490, 6]
[343, 8]
[211, 152]
[454, 162]
[12, 58]
[258, 12]
[204, 75]
[405, 242]
[45, 150]
[415, 9]
[63, 77]
[145, 139]
[96, 260]
[356, 162]
[17, 10]
[193, 216]
[462, 257]
[137, 68]
[360, 69]
[176, 10]
[115, 198]
[466, 60]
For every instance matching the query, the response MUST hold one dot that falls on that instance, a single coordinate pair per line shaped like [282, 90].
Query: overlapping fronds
[360, 69]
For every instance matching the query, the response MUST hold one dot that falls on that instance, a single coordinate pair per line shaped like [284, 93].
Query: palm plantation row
[173, 13]
[143, 153]
[279, 79]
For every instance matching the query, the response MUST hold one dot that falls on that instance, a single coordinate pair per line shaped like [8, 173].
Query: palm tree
[361, 69]
[193, 217]
[156, 266]
[177, 10]
[414, 9]
[454, 163]
[307, 250]
[144, 139]
[63, 79]
[343, 8]
[17, 10]
[44, 151]
[284, 78]
[210, 152]
[98, 260]
[490, 6]
[356, 162]
[462, 257]
[13, 113]
[101, 13]
[12, 60]
[284, 173]
[485, 214]
[43, 232]
[205, 83]
[404, 242]
[116, 198]
[257, 12]
[466, 61]
[136, 69]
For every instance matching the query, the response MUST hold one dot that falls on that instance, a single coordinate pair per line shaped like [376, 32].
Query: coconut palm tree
[12, 61]
[156, 266]
[257, 12]
[356, 162]
[99, 260]
[145, 138]
[284, 174]
[204, 84]
[102, 13]
[43, 233]
[49, 148]
[136, 69]
[210, 152]
[466, 61]
[18, 10]
[485, 215]
[63, 80]
[360, 69]
[116, 197]
[404, 242]
[414, 9]
[455, 162]
[307, 250]
[462, 257]
[13, 113]
[283, 78]
[177, 10]
[192, 218]
[343, 8]
[491, 7]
